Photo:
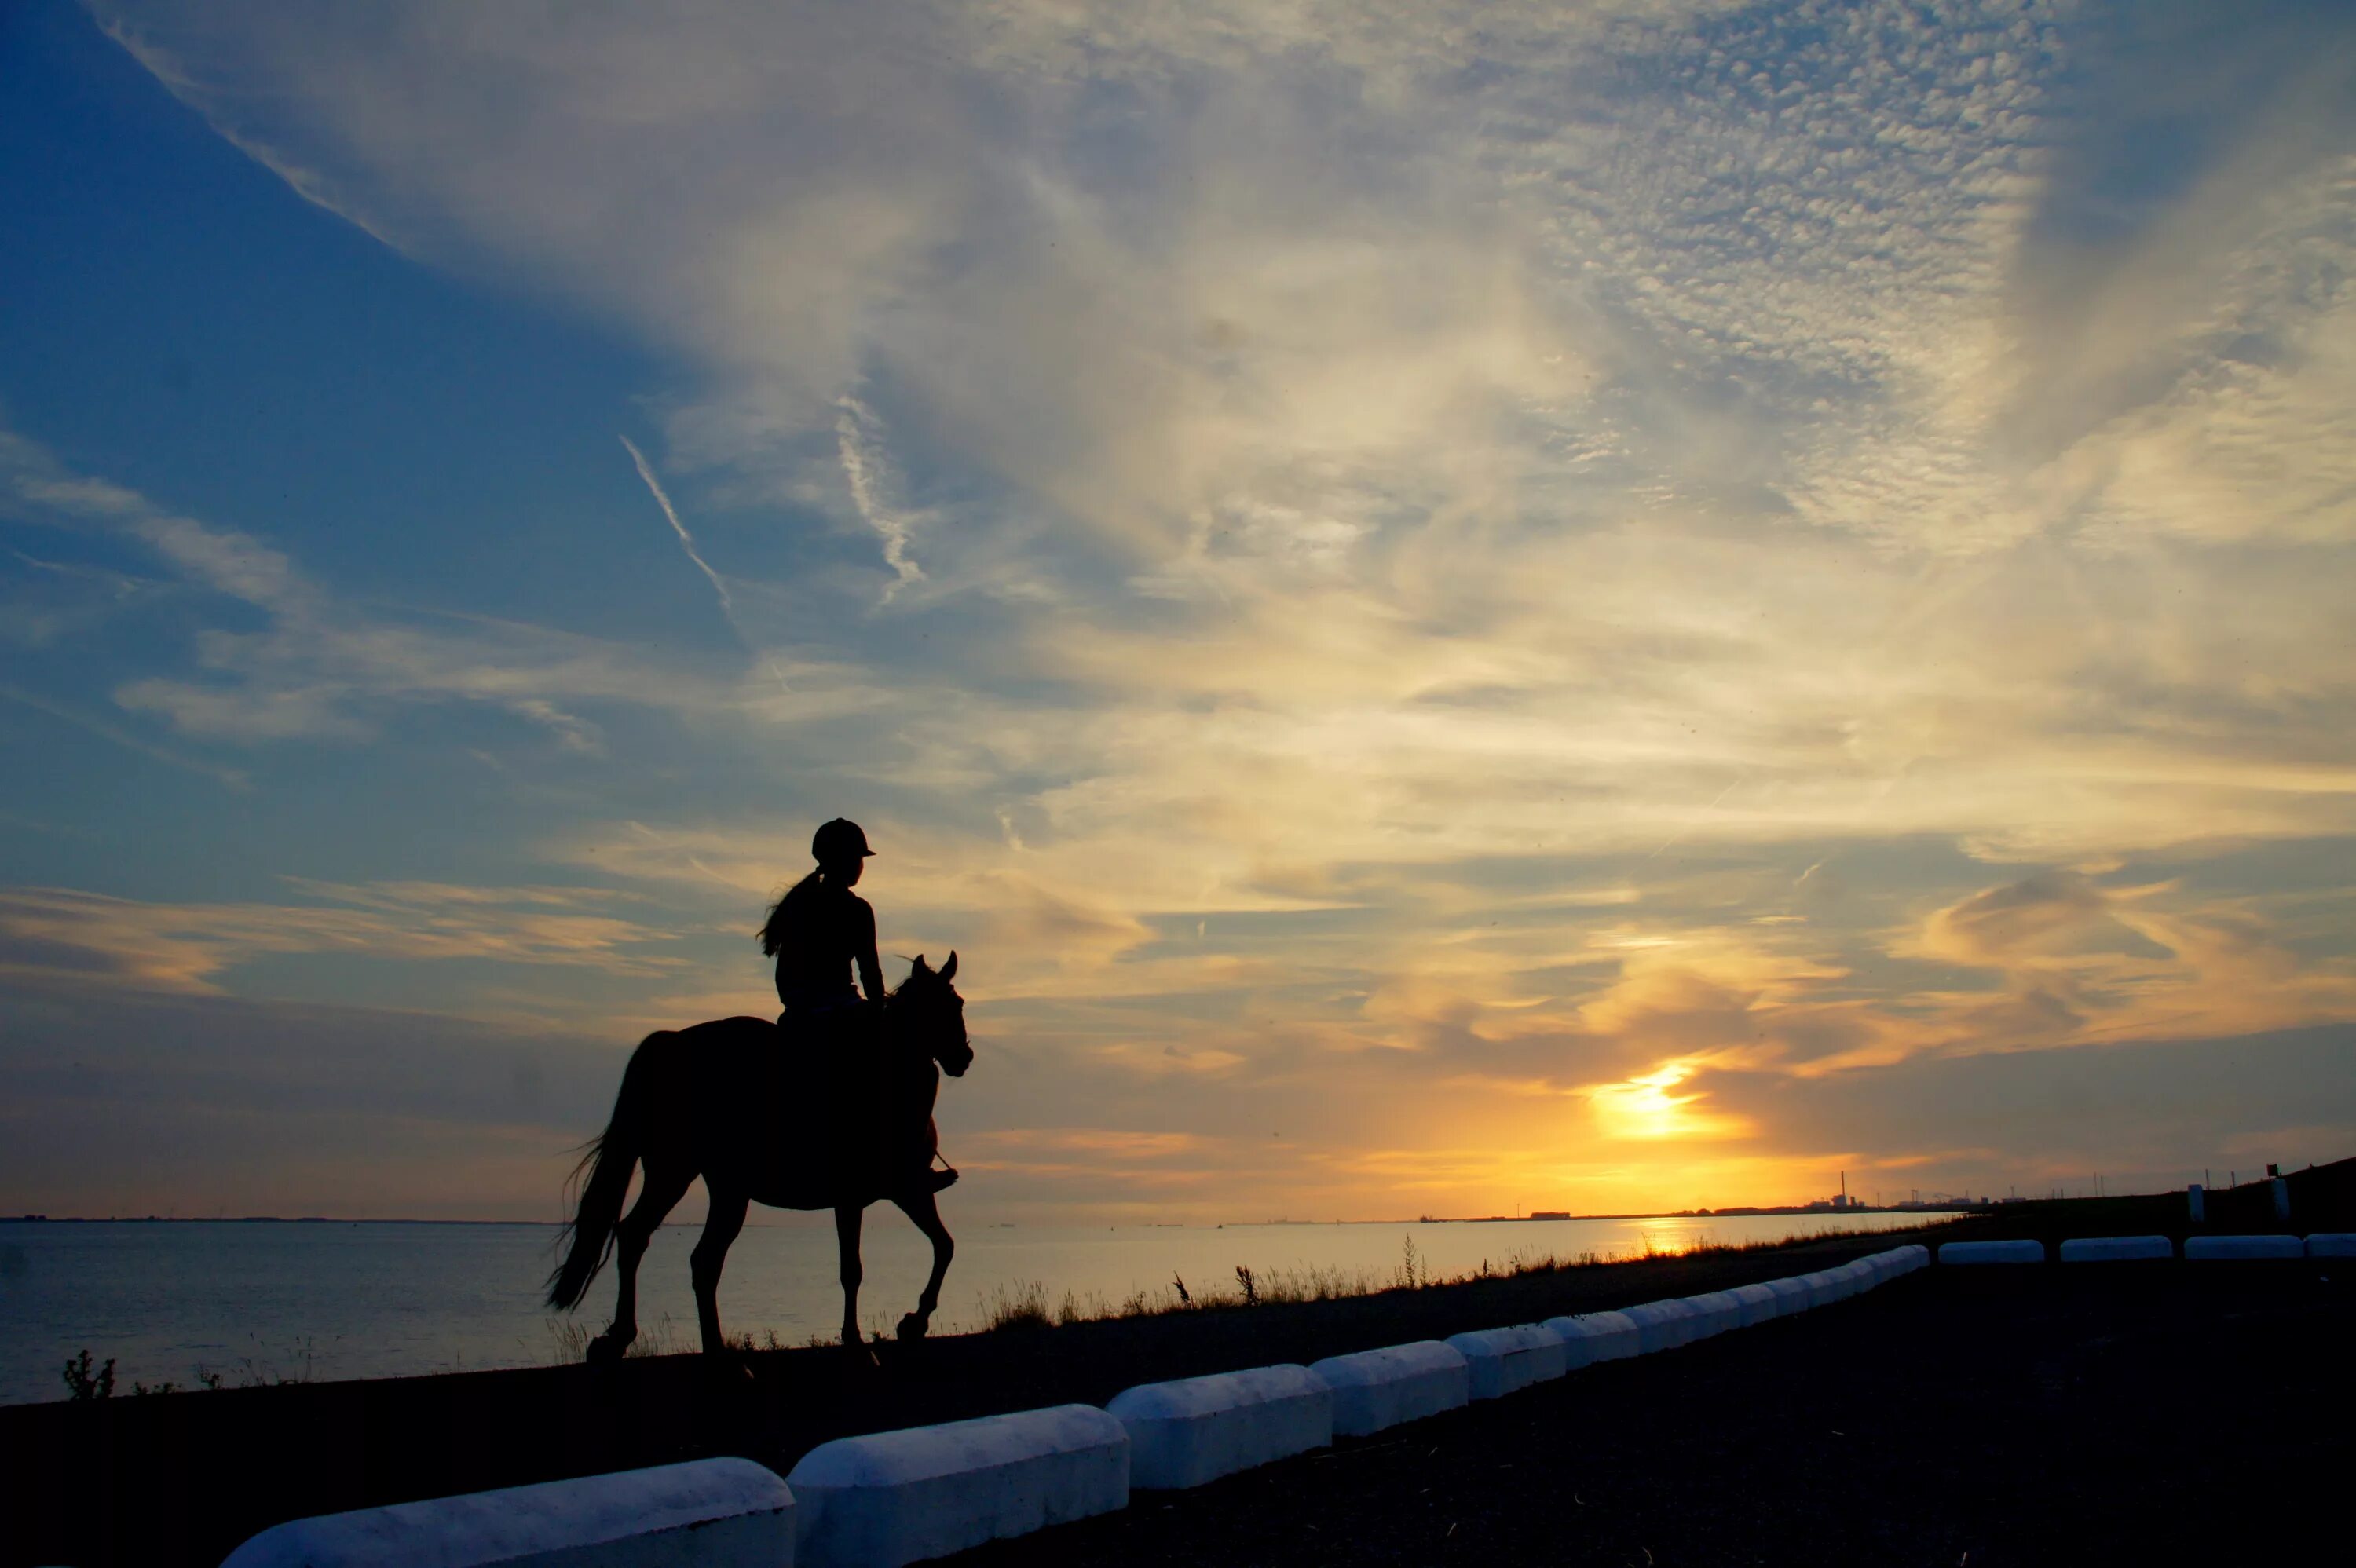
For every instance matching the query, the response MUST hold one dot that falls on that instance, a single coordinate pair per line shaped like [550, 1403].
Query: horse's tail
[607, 1163]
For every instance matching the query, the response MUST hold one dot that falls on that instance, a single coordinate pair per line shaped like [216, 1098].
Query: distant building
[1549, 1213]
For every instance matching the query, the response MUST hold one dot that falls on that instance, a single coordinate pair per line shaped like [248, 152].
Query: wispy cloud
[106, 730]
[867, 469]
[325, 668]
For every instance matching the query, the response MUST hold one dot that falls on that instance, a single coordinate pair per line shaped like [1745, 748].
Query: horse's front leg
[726, 1217]
[926, 1215]
[846, 1241]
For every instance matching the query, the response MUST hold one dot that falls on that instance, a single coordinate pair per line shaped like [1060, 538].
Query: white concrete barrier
[1499, 1361]
[2215, 1248]
[1790, 1296]
[1714, 1312]
[1758, 1303]
[1823, 1288]
[1992, 1252]
[1661, 1325]
[2196, 1204]
[1593, 1337]
[1918, 1255]
[1374, 1389]
[2115, 1249]
[729, 1513]
[1194, 1430]
[2331, 1245]
[891, 1498]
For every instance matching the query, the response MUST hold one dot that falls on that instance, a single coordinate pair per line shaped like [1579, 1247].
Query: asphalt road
[2093, 1415]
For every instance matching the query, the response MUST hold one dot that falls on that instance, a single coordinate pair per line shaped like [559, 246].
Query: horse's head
[933, 1015]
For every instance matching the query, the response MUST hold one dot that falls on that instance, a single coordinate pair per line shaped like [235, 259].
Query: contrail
[687, 543]
[686, 539]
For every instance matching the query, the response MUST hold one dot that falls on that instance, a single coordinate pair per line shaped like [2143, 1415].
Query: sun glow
[1643, 1107]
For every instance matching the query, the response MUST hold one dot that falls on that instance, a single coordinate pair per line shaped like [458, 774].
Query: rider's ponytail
[776, 931]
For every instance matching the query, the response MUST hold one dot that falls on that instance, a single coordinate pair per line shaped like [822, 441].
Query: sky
[1455, 608]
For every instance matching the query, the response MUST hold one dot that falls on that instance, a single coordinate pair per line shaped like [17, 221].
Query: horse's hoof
[857, 1354]
[604, 1351]
[912, 1329]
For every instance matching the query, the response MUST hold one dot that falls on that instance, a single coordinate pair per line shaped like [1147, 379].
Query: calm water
[340, 1300]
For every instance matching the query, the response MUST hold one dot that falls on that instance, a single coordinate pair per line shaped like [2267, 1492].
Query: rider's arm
[862, 951]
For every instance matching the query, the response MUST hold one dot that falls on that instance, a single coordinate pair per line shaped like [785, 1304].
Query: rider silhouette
[819, 931]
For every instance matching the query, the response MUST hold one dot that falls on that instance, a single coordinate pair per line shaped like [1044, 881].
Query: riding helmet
[839, 840]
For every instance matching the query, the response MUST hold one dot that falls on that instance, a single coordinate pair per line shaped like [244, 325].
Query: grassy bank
[181, 1479]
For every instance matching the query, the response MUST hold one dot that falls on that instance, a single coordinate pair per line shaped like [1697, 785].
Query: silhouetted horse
[763, 1118]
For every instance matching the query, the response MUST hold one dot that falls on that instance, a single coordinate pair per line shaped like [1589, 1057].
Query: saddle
[829, 1084]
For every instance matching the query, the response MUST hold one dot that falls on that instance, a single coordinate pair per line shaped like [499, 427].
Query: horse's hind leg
[658, 1193]
[711, 1255]
[921, 1209]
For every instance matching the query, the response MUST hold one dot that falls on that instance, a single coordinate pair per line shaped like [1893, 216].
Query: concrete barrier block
[1499, 1361]
[1661, 1325]
[2217, 1248]
[1593, 1337]
[2332, 1245]
[1992, 1252]
[1757, 1301]
[1823, 1288]
[1790, 1296]
[2115, 1249]
[1714, 1312]
[891, 1498]
[730, 1513]
[1376, 1389]
[1194, 1430]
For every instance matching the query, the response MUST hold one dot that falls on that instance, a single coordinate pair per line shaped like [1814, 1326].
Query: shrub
[83, 1383]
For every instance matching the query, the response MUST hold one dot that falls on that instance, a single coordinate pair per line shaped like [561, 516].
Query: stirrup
[937, 1181]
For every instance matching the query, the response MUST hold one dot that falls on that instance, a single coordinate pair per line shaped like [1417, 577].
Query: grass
[1023, 1305]
[86, 1380]
[568, 1340]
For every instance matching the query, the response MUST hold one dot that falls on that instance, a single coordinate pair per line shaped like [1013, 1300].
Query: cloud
[323, 669]
[60, 934]
[1489, 579]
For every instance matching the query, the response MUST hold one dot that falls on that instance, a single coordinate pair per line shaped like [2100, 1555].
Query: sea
[247, 1302]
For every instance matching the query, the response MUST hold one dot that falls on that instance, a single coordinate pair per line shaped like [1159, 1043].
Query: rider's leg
[926, 1147]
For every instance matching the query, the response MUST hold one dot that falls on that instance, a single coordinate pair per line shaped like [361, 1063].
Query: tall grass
[1027, 1304]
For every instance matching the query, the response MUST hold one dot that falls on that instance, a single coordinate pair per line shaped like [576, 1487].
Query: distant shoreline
[1544, 1218]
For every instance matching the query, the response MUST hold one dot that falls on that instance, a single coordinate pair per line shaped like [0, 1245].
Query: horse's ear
[920, 964]
[948, 970]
